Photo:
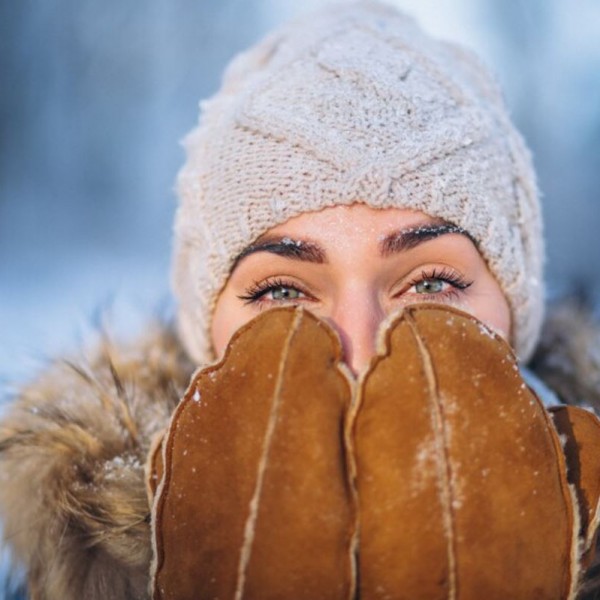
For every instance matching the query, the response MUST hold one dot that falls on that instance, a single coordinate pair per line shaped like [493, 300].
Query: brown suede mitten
[437, 475]
[254, 501]
[461, 477]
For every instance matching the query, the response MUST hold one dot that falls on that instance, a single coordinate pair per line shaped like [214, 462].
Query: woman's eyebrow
[406, 239]
[286, 247]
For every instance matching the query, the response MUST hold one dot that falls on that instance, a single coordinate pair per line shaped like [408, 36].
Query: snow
[484, 330]
[119, 465]
[290, 242]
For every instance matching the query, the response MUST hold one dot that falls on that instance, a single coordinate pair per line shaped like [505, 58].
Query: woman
[349, 164]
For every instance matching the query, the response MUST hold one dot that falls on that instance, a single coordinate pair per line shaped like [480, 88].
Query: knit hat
[354, 104]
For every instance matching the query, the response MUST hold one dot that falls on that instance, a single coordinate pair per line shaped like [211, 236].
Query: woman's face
[353, 266]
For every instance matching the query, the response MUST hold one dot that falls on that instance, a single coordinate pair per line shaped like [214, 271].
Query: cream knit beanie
[353, 104]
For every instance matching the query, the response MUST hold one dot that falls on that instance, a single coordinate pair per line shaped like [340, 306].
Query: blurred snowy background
[94, 97]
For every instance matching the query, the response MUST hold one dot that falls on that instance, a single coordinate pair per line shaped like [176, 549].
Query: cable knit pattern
[355, 104]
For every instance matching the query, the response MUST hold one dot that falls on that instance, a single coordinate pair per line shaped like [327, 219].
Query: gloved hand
[438, 474]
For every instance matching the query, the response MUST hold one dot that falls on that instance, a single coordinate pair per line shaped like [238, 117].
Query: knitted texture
[355, 104]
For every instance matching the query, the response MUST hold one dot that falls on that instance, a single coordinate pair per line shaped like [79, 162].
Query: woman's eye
[284, 293]
[430, 286]
[441, 284]
[274, 291]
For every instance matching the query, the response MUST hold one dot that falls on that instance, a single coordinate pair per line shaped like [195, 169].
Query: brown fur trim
[568, 355]
[72, 453]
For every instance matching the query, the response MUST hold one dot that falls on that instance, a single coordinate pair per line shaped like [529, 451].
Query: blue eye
[275, 291]
[430, 286]
[284, 293]
[440, 283]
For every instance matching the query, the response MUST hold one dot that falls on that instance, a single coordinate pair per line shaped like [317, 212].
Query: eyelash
[457, 282]
[256, 292]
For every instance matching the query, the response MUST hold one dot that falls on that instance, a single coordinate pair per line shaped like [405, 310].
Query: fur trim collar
[568, 355]
[72, 454]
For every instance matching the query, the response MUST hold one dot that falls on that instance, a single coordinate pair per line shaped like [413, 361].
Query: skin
[353, 266]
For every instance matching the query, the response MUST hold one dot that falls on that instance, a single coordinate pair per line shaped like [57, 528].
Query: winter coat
[74, 444]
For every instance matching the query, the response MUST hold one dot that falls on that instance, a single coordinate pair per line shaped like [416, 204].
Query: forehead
[334, 224]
